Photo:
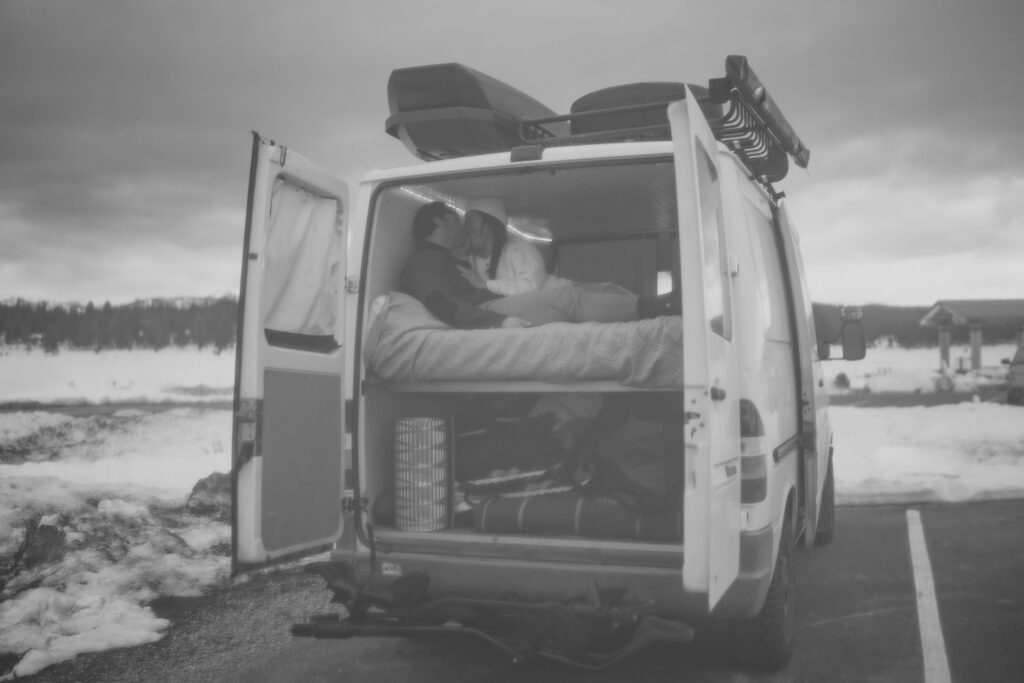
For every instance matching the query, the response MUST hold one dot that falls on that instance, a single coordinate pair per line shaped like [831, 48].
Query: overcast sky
[125, 124]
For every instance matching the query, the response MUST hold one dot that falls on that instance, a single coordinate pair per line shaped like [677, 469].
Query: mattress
[405, 343]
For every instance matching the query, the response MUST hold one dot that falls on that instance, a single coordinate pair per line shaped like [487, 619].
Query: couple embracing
[444, 273]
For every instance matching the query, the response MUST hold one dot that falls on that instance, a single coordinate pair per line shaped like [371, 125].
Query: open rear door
[711, 517]
[289, 391]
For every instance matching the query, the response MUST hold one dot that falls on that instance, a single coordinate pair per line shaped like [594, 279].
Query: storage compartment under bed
[584, 465]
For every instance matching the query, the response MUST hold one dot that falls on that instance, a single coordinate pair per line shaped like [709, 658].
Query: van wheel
[766, 640]
[827, 512]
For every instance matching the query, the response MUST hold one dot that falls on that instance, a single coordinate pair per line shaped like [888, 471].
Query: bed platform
[408, 350]
[516, 387]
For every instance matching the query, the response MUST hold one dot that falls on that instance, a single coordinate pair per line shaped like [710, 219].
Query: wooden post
[975, 346]
[944, 346]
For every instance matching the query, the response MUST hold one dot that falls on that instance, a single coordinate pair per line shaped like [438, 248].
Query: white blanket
[406, 343]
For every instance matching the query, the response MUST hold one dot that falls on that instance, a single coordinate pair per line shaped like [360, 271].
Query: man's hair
[423, 224]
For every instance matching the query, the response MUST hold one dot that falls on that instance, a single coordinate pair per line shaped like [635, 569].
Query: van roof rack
[443, 111]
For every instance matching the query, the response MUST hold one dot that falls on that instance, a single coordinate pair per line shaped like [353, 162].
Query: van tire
[765, 641]
[827, 512]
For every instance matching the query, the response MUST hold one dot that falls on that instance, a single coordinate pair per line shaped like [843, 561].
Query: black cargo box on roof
[627, 100]
[449, 110]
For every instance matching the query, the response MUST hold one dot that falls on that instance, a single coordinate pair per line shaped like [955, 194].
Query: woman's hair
[500, 234]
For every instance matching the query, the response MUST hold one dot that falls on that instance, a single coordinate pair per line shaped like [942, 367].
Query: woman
[507, 264]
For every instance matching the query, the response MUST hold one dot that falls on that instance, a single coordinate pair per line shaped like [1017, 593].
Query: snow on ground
[112, 490]
[201, 375]
[172, 374]
[886, 369]
[950, 453]
[113, 487]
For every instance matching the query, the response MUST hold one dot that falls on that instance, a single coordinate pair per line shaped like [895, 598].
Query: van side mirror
[851, 335]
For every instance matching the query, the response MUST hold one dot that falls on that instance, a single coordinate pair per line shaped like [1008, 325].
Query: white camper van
[572, 490]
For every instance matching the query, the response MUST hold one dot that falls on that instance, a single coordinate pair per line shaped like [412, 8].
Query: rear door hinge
[349, 504]
[280, 154]
[249, 424]
[249, 410]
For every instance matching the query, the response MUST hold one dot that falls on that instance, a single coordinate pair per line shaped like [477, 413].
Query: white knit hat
[492, 206]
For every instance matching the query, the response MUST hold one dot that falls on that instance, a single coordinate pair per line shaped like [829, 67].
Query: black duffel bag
[503, 444]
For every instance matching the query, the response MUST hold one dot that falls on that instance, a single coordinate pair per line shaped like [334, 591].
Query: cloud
[125, 124]
[881, 217]
[81, 266]
[898, 238]
[914, 281]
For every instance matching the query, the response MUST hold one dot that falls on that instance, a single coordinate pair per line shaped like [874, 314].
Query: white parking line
[933, 646]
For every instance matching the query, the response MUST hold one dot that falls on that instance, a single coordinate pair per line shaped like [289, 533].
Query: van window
[302, 269]
[809, 327]
[718, 299]
[771, 283]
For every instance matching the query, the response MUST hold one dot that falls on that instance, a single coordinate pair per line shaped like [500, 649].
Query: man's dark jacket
[432, 276]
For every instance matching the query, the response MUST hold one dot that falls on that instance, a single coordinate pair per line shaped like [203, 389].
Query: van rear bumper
[746, 595]
[593, 634]
[538, 581]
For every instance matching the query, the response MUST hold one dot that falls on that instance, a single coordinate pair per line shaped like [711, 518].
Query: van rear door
[711, 504]
[287, 438]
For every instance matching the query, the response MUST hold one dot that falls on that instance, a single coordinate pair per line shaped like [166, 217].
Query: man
[447, 287]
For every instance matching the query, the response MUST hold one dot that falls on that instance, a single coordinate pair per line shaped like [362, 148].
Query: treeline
[152, 324]
[159, 323]
[901, 326]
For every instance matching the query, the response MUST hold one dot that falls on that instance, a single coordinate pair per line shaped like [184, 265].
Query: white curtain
[303, 262]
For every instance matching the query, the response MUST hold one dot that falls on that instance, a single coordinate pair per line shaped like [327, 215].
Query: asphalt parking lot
[858, 620]
[859, 608]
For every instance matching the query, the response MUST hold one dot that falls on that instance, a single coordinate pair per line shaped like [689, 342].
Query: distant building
[949, 313]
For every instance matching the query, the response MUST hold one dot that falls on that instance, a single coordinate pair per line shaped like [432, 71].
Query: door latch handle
[246, 452]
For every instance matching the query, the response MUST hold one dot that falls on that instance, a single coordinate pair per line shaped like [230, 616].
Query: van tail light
[750, 420]
[753, 467]
[753, 478]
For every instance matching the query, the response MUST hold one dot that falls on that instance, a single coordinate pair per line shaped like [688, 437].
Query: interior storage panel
[584, 464]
